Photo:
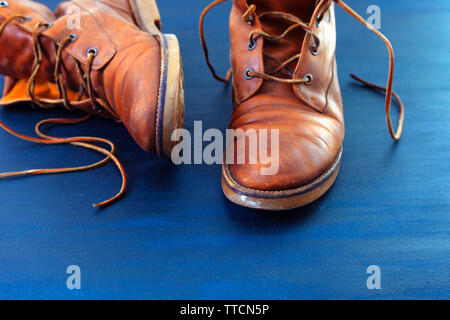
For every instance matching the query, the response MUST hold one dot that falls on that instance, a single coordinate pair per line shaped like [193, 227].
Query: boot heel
[170, 114]
[173, 110]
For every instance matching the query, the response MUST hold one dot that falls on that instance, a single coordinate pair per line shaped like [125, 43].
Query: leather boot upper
[309, 116]
[125, 70]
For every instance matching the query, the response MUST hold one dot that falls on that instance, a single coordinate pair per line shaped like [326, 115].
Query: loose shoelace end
[396, 135]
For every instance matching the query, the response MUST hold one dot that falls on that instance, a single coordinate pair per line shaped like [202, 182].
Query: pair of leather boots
[118, 64]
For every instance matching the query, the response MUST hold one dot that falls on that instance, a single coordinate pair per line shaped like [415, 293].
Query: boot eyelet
[309, 79]
[251, 44]
[4, 4]
[314, 50]
[251, 21]
[73, 37]
[247, 75]
[26, 19]
[318, 20]
[93, 51]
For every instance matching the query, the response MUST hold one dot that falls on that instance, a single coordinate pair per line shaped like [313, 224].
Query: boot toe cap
[309, 144]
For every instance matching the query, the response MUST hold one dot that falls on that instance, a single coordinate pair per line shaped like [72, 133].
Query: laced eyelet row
[73, 37]
[252, 42]
[308, 78]
[315, 48]
[251, 46]
[90, 54]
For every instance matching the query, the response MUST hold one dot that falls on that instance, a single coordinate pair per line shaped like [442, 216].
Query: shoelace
[298, 23]
[85, 80]
[49, 140]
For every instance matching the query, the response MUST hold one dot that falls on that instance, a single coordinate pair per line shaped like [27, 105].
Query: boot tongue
[285, 48]
[300, 8]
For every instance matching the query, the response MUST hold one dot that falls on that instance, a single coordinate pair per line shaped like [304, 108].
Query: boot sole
[170, 110]
[279, 200]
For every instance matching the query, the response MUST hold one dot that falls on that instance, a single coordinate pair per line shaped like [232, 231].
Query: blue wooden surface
[175, 236]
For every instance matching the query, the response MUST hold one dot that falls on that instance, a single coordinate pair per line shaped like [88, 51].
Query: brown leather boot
[117, 64]
[107, 67]
[285, 78]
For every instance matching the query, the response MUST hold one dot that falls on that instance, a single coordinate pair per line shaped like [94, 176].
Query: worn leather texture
[309, 117]
[125, 72]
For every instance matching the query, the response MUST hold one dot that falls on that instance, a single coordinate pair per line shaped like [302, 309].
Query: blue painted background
[175, 236]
